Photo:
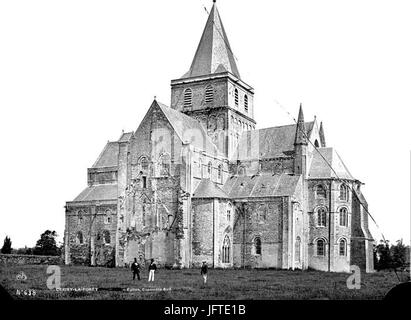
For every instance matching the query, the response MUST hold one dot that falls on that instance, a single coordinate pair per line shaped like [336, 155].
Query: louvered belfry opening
[188, 98]
[209, 94]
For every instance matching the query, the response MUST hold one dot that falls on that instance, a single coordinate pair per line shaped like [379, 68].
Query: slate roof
[125, 136]
[271, 142]
[263, 185]
[98, 192]
[187, 127]
[214, 54]
[320, 169]
[208, 189]
[109, 156]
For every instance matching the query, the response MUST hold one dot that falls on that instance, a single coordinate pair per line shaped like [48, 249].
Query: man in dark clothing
[204, 270]
[151, 269]
[135, 267]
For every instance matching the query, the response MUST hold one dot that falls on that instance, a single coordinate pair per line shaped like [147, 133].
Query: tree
[398, 254]
[384, 256]
[6, 249]
[390, 257]
[47, 245]
[24, 250]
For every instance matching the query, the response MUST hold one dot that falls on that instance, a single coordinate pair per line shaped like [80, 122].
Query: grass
[187, 284]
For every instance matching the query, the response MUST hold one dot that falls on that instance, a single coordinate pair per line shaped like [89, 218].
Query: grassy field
[187, 284]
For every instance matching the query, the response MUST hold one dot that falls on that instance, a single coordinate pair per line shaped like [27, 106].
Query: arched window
[188, 97]
[106, 236]
[320, 191]
[80, 217]
[236, 97]
[165, 164]
[320, 247]
[143, 163]
[343, 217]
[220, 171]
[321, 217]
[241, 171]
[229, 208]
[209, 167]
[343, 247]
[257, 245]
[209, 94]
[107, 217]
[226, 250]
[316, 144]
[343, 192]
[79, 238]
[297, 249]
[246, 103]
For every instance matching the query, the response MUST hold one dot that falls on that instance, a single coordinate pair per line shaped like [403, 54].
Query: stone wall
[198, 94]
[264, 220]
[6, 259]
[202, 240]
[152, 196]
[91, 234]
[332, 232]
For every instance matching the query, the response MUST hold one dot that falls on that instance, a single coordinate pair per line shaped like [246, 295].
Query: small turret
[300, 134]
[322, 136]
[300, 145]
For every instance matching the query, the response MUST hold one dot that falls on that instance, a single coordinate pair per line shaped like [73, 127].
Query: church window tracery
[321, 217]
[320, 247]
[226, 250]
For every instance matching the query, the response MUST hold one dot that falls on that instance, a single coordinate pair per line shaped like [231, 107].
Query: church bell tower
[212, 90]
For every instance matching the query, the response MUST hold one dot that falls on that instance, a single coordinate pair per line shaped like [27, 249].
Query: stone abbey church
[198, 182]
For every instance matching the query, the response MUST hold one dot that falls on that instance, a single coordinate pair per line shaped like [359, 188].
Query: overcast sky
[73, 74]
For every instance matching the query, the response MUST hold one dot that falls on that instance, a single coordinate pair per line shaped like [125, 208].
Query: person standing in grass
[204, 270]
[151, 269]
[135, 267]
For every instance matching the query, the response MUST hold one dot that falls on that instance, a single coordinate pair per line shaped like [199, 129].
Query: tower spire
[300, 137]
[214, 54]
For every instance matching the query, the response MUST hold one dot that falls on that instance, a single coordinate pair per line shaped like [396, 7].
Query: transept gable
[320, 168]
